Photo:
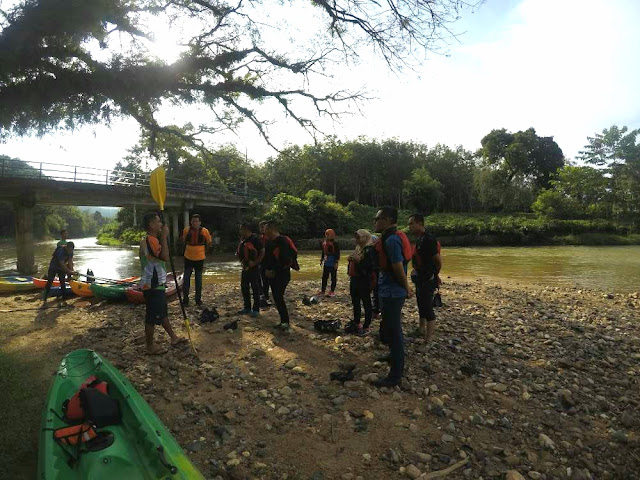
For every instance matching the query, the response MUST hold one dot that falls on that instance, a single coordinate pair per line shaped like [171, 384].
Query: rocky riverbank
[536, 383]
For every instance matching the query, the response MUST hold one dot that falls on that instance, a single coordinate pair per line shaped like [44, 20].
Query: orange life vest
[194, 237]
[407, 250]
[328, 248]
[294, 262]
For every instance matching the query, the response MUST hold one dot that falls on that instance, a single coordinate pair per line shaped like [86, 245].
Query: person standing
[197, 240]
[361, 267]
[278, 260]
[250, 253]
[394, 251]
[154, 253]
[64, 233]
[329, 259]
[426, 263]
[60, 265]
[264, 281]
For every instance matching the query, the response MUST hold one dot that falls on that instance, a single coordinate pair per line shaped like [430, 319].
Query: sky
[568, 68]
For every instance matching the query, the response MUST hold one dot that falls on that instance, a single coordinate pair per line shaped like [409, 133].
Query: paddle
[158, 185]
[109, 280]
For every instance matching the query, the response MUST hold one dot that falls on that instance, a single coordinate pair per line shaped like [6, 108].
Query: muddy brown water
[609, 268]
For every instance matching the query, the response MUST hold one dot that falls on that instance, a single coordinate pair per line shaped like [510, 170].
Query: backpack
[92, 403]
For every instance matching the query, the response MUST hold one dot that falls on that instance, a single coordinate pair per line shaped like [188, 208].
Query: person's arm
[321, 254]
[285, 252]
[208, 239]
[164, 244]
[438, 263]
[337, 254]
[63, 266]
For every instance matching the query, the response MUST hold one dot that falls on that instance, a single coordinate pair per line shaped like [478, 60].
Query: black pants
[361, 293]
[190, 266]
[425, 288]
[326, 271]
[391, 328]
[264, 283]
[376, 297]
[250, 279]
[278, 286]
[51, 275]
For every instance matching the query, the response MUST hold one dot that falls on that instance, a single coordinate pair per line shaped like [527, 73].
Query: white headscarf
[364, 234]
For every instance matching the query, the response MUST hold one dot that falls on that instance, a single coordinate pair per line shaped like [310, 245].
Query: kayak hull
[82, 289]
[134, 294]
[16, 284]
[42, 282]
[104, 291]
[134, 452]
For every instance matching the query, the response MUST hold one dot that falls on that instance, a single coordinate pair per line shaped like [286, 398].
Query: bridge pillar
[24, 238]
[187, 223]
[175, 231]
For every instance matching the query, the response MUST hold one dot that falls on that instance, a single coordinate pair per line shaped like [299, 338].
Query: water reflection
[615, 269]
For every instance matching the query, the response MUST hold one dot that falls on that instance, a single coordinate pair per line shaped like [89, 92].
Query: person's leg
[429, 315]
[325, 277]
[376, 298]
[385, 334]
[392, 310]
[188, 270]
[62, 276]
[334, 279]
[254, 282]
[244, 288]
[47, 288]
[156, 314]
[167, 328]
[198, 266]
[265, 283]
[355, 300]
[148, 336]
[365, 295]
[420, 301]
[278, 287]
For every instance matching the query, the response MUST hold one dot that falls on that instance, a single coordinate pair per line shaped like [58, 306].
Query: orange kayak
[42, 282]
[135, 295]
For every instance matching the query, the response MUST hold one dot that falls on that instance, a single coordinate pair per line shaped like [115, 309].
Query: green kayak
[109, 292]
[142, 446]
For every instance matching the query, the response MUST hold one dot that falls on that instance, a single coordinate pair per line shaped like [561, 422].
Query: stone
[413, 428]
[627, 418]
[194, 447]
[546, 442]
[286, 391]
[513, 475]
[534, 475]
[283, 411]
[338, 400]
[422, 457]
[366, 457]
[447, 438]
[263, 393]
[412, 471]
[367, 415]
[500, 387]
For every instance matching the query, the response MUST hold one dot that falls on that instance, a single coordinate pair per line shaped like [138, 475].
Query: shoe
[363, 332]
[351, 328]
[285, 327]
[331, 294]
[185, 301]
[244, 311]
[254, 314]
[387, 382]
[264, 302]
[320, 292]
[231, 325]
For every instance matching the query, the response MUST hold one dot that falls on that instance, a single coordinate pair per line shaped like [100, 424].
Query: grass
[108, 240]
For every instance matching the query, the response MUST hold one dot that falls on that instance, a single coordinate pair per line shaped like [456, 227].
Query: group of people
[379, 281]
[377, 268]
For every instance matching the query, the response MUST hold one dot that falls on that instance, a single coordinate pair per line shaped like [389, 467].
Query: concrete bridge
[26, 184]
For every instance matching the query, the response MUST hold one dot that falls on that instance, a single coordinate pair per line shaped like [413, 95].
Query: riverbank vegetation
[517, 188]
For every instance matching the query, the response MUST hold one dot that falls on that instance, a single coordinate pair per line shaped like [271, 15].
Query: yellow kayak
[16, 284]
[81, 289]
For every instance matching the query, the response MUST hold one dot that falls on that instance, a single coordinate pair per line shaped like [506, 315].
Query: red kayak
[135, 295]
[42, 282]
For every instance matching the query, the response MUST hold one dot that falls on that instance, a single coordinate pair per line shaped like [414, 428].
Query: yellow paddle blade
[158, 186]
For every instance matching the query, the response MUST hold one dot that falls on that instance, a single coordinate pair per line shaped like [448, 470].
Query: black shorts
[156, 302]
[425, 290]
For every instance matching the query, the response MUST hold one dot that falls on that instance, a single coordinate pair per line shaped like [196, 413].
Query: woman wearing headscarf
[362, 263]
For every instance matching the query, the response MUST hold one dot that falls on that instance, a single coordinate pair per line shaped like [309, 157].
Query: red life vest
[294, 262]
[407, 250]
[73, 409]
[328, 248]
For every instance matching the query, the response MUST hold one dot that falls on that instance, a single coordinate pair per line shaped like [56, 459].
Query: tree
[65, 63]
[523, 153]
[421, 191]
[293, 171]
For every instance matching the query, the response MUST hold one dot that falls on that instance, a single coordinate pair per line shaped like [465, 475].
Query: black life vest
[194, 237]
[247, 250]
[293, 263]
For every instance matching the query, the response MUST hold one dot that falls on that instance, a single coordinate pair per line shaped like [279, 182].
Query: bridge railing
[12, 168]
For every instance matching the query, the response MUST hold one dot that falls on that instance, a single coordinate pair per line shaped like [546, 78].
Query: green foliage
[523, 154]
[421, 191]
[132, 236]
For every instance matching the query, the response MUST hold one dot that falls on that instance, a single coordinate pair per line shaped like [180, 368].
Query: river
[613, 269]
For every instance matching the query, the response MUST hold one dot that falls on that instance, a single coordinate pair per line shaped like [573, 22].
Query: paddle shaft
[108, 280]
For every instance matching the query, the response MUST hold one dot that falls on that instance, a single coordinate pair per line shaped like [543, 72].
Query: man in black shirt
[250, 253]
[426, 264]
[278, 259]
